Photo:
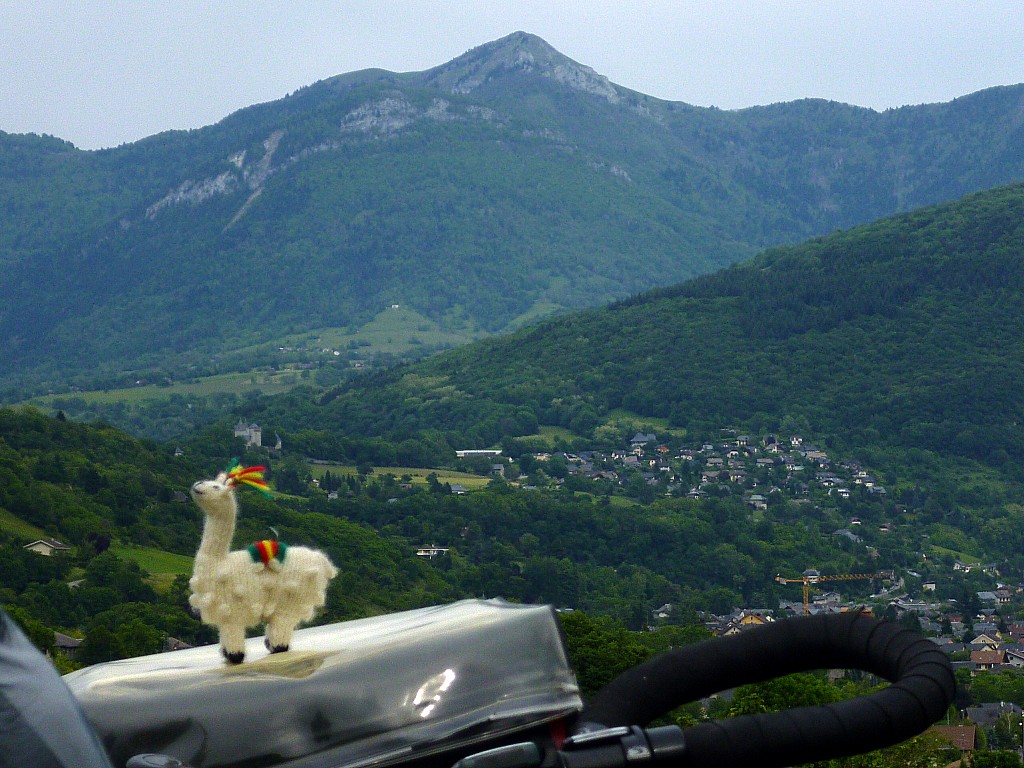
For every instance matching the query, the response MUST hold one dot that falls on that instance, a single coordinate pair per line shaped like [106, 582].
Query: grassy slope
[418, 474]
[162, 566]
[903, 332]
[18, 527]
[234, 383]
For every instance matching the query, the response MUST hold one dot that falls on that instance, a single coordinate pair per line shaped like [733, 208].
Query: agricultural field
[417, 475]
[18, 527]
[267, 382]
[160, 565]
[396, 331]
[620, 417]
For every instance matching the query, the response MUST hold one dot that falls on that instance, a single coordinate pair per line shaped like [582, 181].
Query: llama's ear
[222, 478]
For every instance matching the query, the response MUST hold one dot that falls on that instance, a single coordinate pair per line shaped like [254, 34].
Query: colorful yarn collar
[267, 550]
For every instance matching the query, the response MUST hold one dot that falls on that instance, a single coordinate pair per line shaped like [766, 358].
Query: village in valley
[967, 608]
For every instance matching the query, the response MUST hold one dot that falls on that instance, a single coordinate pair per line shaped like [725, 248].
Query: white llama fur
[232, 593]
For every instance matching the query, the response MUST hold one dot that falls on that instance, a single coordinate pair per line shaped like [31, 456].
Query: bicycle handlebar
[922, 688]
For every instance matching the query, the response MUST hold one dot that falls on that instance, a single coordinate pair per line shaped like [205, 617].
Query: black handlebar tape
[922, 688]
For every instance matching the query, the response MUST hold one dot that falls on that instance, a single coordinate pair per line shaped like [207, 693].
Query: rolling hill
[905, 334]
[507, 183]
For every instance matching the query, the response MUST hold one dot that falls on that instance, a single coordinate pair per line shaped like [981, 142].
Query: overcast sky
[101, 73]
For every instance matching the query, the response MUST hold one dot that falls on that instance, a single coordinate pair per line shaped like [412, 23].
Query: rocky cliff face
[519, 52]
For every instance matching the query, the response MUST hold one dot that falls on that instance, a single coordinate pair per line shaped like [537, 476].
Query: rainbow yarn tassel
[251, 476]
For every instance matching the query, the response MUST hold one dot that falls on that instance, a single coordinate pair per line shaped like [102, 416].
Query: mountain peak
[520, 53]
[522, 42]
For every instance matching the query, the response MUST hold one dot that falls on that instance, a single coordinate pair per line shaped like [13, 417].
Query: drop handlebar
[609, 733]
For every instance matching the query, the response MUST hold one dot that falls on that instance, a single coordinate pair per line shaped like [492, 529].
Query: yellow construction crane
[811, 576]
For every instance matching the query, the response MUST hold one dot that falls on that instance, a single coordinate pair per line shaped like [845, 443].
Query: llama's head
[215, 497]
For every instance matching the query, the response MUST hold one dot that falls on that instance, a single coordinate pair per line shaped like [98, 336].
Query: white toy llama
[267, 583]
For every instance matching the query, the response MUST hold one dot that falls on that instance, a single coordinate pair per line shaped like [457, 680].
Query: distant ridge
[509, 183]
[903, 335]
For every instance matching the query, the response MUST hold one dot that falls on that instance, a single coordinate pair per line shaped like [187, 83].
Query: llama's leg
[232, 643]
[279, 633]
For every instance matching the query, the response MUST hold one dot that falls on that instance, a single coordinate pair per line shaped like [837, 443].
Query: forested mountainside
[905, 333]
[506, 184]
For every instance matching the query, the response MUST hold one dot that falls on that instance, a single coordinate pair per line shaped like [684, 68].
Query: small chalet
[986, 628]
[641, 439]
[986, 640]
[745, 619]
[988, 713]
[431, 552]
[987, 659]
[846, 533]
[66, 644]
[662, 613]
[963, 737]
[47, 546]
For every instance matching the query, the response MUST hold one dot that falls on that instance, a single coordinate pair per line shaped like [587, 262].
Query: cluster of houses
[754, 467]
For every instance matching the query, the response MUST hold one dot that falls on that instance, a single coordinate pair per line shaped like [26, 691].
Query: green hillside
[122, 507]
[906, 332]
[507, 184]
[896, 345]
[122, 586]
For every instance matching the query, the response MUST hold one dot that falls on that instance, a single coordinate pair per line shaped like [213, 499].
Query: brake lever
[619, 747]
